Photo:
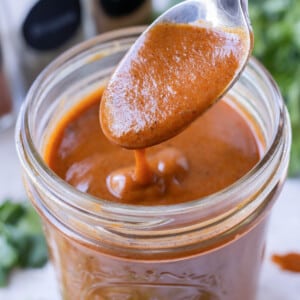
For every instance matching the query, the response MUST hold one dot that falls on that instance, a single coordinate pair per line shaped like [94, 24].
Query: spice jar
[6, 104]
[37, 31]
[108, 15]
[210, 248]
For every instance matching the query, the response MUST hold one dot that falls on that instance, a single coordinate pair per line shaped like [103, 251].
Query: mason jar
[210, 248]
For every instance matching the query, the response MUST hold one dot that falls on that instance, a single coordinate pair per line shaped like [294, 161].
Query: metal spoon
[124, 117]
[219, 13]
[226, 13]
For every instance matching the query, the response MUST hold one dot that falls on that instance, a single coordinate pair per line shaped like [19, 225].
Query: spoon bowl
[184, 62]
[216, 13]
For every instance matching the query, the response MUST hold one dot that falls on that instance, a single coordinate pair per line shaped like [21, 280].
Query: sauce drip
[151, 179]
[143, 174]
[174, 74]
[289, 262]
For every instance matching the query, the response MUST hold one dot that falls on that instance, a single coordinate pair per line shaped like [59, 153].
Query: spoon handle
[236, 10]
[244, 6]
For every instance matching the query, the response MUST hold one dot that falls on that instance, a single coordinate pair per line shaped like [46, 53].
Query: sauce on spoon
[173, 75]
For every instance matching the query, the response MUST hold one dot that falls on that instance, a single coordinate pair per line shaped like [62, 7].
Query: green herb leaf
[8, 254]
[276, 26]
[3, 277]
[11, 212]
[36, 254]
[22, 243]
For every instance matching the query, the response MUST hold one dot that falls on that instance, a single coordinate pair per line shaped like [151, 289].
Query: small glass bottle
[6, 103]
[210, 248]
[37, 31]
[109, 15]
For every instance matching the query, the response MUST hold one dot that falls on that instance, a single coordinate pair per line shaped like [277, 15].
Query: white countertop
[283, 236]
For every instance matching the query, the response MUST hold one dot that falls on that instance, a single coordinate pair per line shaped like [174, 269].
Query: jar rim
[40, 173]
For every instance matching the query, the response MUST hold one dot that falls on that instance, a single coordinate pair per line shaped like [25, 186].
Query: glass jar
[211, 248]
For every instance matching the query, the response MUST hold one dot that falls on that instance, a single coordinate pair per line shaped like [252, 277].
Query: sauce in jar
[214, 152]
[157, 239]
[211, 154]
[148, 101]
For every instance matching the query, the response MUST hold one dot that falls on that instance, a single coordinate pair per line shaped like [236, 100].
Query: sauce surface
[176, 72]
[211, 154]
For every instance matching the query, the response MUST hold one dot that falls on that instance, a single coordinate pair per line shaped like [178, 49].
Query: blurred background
[34, 32]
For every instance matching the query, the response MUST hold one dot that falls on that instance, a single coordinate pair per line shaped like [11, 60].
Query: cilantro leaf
[22, 243]
[8, 254]
[276, 26]
[11, 212]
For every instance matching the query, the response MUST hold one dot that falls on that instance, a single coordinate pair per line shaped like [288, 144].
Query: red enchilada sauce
[213, 152]
[288, 262]
[174, 76]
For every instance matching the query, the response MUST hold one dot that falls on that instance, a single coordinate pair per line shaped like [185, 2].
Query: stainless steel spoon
[141, 111]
